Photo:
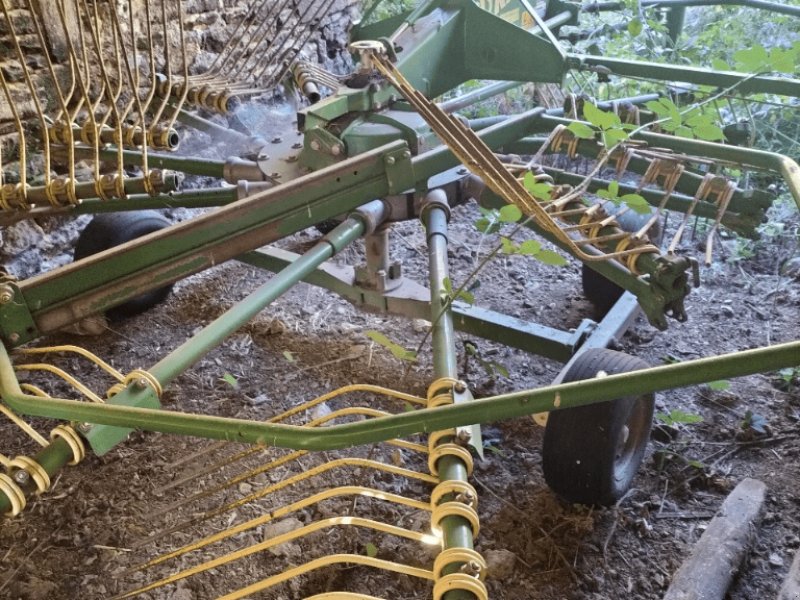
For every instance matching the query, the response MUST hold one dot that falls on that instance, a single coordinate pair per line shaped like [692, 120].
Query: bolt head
[22, 477]
[14, 337]
[460, 387]
[314, 145]
[464, 436]
[6, 294]
[390, 160]
[141, 383]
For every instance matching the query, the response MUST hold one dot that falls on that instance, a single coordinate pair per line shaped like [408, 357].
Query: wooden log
[791, 586]
[709, 570]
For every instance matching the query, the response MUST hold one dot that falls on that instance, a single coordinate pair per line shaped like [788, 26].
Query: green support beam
[485, 410]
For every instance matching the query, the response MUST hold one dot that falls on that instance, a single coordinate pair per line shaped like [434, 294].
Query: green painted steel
[485, 410]
[456, 530]
[443, 345]
[52, 459]
[537, 339]
[101, 281]
[102, 438]
[156, 160]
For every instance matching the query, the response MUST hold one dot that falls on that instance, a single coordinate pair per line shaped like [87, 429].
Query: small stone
[500, 563]
[420, 325]
[727, 311]
[775, 560]
[245, 488]
[260, 399]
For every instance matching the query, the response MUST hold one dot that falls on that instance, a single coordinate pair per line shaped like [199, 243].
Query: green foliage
[489, 222]
[720, 385]
[370, 550]
[538, 189]
[230, 380]
[533, 249]
[635, 202]
[398, 351]
[696, 122]
[612, 129]
[450, 294]
[677, 417]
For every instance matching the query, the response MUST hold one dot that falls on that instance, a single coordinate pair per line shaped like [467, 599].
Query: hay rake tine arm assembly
[375, 152]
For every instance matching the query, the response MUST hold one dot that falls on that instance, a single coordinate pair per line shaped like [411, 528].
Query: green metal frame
[382, 153]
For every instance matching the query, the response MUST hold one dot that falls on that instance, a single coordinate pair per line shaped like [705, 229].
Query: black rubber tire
[112, 229]
[601, 292]
[592, 453]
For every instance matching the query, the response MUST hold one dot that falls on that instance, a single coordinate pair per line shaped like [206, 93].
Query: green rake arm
[494, 408]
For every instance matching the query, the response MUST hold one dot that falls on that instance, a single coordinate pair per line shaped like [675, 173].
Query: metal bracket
[399, 171]
[467, 435]
[16, 322]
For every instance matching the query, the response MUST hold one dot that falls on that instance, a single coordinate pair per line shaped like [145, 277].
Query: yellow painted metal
[325, 562]
[479, 158]
[350, 490]
[290, 536]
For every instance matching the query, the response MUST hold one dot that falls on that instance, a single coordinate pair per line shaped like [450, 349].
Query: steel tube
[485, 410]
[155, 160]
[741, 82]
[456, 530]
[435, 217]
[494, 408]
[479, 95]
[207, 198]
[185, 355]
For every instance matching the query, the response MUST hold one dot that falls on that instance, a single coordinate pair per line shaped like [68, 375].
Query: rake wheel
[591, 453]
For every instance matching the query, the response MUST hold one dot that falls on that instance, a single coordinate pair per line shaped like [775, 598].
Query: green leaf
[658, 107]
[783, 61]
[678, 416]
[448, 286]
[752, 59]
[636, 203]
[371, 550]
[720, 65]
[487, 226]
[612, 137]
[581, 130]
[466, 297]
[230, 380]
[289, 356]
[510, 213]
[539, 190]
[634, 27]
[396, 349]
[719, 385]
[599, 118]
[500, 369]
[684, 132]
[709, 132]
[696, 464]
[508, 247]
[530, 247]
[549, 257]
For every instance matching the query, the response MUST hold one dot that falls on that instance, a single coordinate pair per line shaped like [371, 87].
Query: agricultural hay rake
[95, 123]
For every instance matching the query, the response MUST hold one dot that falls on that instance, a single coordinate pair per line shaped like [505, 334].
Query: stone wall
[33, 246]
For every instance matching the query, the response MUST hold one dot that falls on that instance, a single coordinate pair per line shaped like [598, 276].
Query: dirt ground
[80, 539]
